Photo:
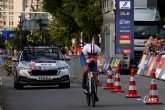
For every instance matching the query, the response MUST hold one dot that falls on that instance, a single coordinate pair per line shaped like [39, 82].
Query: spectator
[63, 50]
[162, 51]
[66, 50]
[79, 49]
[74, 51]
[150, 40]
[157, 44]
[150, 49]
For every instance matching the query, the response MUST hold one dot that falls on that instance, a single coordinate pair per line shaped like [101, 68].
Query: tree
[75, 16]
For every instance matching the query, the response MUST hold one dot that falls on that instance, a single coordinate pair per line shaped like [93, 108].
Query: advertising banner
[160, 66]
[124, 27]
[8, 35]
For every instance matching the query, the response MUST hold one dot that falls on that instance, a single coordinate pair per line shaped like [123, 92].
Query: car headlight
[62, 68]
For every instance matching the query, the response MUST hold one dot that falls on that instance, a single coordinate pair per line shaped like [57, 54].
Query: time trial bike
[91, 87]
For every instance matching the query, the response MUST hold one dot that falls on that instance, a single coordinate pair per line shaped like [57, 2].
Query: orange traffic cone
[153, 97]
[98, 81]
[109, 84]
[117, 85]
[132, 93]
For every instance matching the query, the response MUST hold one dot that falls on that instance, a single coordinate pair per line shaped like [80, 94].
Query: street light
[21, 33]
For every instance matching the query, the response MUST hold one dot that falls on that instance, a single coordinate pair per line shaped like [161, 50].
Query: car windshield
[41, 54]
[142, 32]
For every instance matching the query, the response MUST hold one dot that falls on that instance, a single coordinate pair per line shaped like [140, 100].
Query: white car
[42, 65]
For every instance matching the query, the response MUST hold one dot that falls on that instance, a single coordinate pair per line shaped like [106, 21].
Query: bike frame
[90, 76]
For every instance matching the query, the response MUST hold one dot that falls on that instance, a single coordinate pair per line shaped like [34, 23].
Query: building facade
[12, 8]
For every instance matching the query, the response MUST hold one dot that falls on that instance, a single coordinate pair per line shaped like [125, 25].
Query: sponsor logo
[124, 21]
[125, 27]
[31, 65]
[125, 31]
[11, 35]
[125, 41]
[125, 5]
[125, 36]
[125, 13]
[147, 99]
[127, 51]
[125, 46]
[42, 68]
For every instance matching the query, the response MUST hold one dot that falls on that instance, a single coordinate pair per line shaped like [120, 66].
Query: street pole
[21, 33]
[40, 25]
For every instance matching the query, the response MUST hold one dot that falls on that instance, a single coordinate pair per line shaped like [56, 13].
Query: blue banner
[1, 61]
[125, 27]
[8, 35]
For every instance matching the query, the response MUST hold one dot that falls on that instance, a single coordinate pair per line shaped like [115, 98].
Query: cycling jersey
[84, 56]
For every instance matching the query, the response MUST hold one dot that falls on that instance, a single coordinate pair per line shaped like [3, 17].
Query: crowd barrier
[7, 63]
[114, 61]
[152, 63]
[76, 69]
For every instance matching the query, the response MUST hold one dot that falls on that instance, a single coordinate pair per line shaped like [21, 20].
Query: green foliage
[73, 17]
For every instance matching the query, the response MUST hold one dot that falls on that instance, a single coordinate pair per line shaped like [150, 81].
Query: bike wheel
[88, 97]
[93, 92]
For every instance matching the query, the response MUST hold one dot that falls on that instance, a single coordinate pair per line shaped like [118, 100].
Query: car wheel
[66, 85]
[15, 85]
[19, 86]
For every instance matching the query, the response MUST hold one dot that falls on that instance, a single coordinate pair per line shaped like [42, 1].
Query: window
[144, 32]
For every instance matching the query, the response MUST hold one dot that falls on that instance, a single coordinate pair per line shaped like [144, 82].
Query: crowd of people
[154, 46]
[71, 50]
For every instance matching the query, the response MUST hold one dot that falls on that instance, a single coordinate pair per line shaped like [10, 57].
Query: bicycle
[91, 88]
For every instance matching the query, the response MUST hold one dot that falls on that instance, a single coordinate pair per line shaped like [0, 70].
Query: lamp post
[40, 25]
[21, 33]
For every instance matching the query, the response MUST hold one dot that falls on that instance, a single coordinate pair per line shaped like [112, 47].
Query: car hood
[55, 64]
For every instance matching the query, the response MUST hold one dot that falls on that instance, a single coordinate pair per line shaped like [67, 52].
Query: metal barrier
[76, 69]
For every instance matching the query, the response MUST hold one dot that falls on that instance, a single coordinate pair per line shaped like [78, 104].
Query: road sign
[37, 22]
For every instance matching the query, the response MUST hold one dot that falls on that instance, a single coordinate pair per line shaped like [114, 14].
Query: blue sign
[8, 35]
[1, 61]
[124, 27]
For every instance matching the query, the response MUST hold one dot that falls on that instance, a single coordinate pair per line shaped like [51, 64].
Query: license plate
[44, 78]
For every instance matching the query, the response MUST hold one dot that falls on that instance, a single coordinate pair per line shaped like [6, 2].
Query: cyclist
[89, 56]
